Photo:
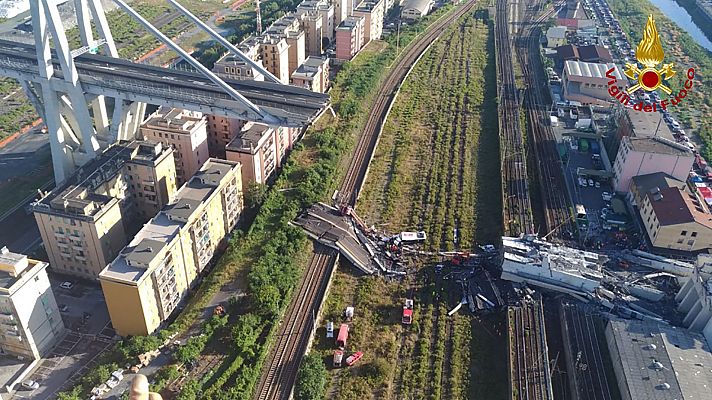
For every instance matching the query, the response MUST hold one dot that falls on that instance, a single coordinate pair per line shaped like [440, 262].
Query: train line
[586, 367]
[358, 168]
[280, 369]
[529, 373]
[558, 219]
[516, 205]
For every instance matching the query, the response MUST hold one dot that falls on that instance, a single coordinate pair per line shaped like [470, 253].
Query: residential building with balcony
[221, 131]
[185, 131]
[89, 218]
[313, 74]
[232, 67]
[324, 10]
[275, 57]
[373, 13]
[260, 149]
[341, 11]
[349, 37]
[153, 273]
[313, 33]
[30, 323]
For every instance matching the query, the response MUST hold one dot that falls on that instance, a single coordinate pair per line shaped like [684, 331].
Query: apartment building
[341, 11]
[87, 220]
[152, 275]
[313, 32]
[349, 37]
[30, 323]
[313, 74]
[185, 131]
[260, 149]
[322, 9]
[232, 67]
[221, 131]
[289, 28]
[675, 219]
[647, 155]
[275, 57]
[373, 12]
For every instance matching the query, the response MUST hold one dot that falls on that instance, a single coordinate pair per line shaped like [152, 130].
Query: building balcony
[76, 238]
[10, 328]
[60, 234]
[80, 258]
[62, 245]
[7, 318]
[77, 247]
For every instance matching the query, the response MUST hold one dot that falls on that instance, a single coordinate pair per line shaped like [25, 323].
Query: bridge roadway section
[101, 75]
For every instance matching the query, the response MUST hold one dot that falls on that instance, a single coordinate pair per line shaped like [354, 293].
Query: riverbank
[698, 16]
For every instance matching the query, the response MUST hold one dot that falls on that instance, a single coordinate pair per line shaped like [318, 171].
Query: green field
[436, 167]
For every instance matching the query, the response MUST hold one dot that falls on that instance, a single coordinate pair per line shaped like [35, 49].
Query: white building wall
[36, 314]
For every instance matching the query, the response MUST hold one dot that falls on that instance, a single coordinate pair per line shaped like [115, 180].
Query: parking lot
[89, 333]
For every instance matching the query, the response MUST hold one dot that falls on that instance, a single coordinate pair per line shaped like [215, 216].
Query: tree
[255, 194]
[190, 391]
[246, 332]
[131, 348]
[191, 350]
[311, 380]
[75, 394]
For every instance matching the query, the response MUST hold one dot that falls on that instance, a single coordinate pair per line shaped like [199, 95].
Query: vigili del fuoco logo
[647, 75]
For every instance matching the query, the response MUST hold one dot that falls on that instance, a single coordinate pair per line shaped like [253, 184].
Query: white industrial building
[415, 9]
[587, 83]
[654, 361]
[695, 300]
[540, 263]
[30, 323]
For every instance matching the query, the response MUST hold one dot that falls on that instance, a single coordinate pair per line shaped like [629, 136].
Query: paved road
[79, 348]
[20, 157]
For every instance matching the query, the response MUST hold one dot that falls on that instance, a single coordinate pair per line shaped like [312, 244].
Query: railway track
[586, 359]
[358, 169]
[529, 372]
[279, 372]
[516, 208]
[552, 184]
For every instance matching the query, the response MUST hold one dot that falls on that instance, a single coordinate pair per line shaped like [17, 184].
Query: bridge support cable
[220, 39]
[196, 64]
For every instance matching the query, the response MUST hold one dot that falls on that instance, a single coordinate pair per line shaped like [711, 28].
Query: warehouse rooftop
[661, 362]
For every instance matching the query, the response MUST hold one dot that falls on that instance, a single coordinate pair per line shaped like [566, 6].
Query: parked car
[329, 329]
[63, 308]
[606, 196]
[351, 360]
[598, 184]
[66, 285]
[30, 384]
[590, 182]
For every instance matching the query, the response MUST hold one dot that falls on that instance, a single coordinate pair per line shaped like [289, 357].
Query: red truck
[407, 317]
[343, 335]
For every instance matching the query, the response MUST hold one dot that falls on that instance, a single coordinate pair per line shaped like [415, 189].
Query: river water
[683, 19]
